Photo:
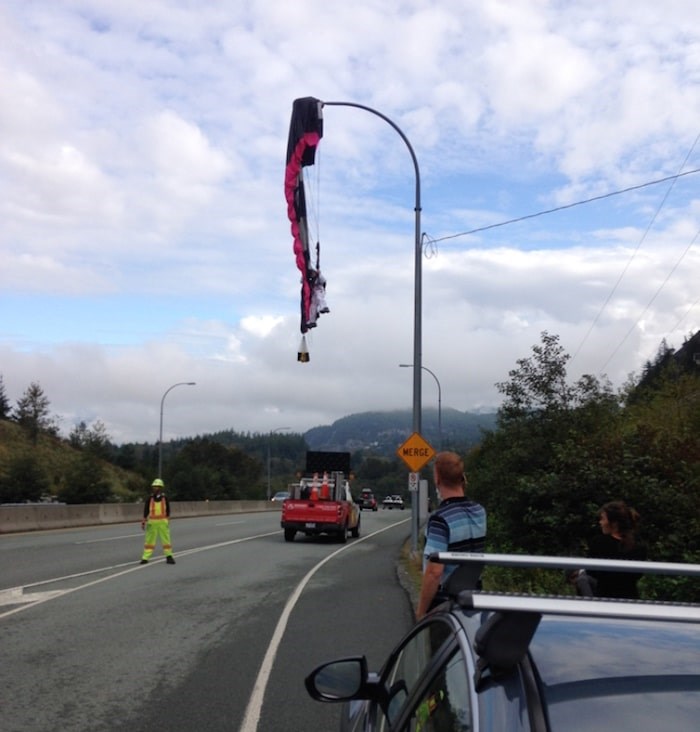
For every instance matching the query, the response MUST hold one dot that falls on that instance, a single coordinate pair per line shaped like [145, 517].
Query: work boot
[170, 560]
[144, 561]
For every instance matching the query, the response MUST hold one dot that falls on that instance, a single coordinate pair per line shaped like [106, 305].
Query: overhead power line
[566, 206]
[649, 304]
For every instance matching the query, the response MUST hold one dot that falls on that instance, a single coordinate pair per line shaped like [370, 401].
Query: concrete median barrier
[41, 516]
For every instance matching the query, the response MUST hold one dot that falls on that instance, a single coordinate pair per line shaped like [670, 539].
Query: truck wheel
[289, 534]
[356, 531]
[343, 535]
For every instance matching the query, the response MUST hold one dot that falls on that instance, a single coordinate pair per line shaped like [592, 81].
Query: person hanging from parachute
[305, 132]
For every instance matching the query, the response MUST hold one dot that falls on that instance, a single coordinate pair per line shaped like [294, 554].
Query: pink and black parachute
[305, 132]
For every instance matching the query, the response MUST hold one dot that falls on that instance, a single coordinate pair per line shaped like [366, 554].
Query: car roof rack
[547, 562]
[472, 563]
[579, 606]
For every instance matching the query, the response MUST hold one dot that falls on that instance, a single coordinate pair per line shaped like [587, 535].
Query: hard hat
[158, 483]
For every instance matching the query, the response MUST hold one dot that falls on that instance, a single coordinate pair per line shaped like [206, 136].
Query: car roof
[618, 673]
[599, 663]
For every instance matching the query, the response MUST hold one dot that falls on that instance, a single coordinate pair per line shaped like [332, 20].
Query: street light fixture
[437, 381]
[160, 435]
[272, 432]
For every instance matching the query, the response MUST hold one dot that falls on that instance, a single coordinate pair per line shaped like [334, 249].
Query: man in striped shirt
[458, 524]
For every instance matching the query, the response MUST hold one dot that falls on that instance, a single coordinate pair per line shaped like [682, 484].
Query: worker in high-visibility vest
[156, 522]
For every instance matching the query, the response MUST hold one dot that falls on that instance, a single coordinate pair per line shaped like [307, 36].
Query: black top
[615, 584]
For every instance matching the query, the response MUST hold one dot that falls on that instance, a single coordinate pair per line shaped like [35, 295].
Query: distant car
[367, 501]
[498, 662]
[393, 502]
[280, 496]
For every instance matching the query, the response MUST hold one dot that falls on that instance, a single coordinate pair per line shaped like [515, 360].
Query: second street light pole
[437, 381]
[269, 439]
[160, 434]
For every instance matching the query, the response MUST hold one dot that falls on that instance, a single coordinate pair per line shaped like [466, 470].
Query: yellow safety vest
[156, 509]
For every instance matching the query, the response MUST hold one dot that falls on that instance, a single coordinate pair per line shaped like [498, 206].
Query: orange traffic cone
[314, 488]
[325, 490]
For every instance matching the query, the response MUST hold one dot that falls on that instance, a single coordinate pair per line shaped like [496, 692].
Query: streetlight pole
[160, 434]
[417, 299]
[269, 439]
[437, 381]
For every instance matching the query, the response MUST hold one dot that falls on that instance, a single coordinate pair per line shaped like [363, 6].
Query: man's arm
[431, 581]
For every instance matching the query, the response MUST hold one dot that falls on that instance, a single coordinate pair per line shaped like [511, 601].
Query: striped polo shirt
[457, 525]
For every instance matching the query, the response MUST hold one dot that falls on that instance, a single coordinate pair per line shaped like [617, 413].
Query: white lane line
[251, 718]
[52, 595]
[72, 576]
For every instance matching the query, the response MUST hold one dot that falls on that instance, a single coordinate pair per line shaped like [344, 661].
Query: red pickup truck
[321, 504]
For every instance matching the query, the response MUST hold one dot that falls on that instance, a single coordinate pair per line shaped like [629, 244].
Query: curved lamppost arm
[417, 297]
[160, 433]
[439, 388]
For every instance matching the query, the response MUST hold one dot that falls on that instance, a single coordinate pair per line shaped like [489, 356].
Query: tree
[538, 384]
[32, 412]
[85, 481]
[4, 401]
[208, 470]
[24, 479]
[91, 439]
[548, 465]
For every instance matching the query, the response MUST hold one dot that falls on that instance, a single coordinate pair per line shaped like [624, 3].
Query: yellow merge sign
[415, 452]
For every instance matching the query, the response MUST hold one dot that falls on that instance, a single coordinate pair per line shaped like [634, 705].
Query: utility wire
[634, 254]
[649, 304]
[567, 205]
[684, 316]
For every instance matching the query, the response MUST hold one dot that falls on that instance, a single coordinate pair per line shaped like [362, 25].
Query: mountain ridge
[382, 432]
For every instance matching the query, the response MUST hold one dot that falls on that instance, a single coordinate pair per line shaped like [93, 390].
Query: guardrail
[40, 516]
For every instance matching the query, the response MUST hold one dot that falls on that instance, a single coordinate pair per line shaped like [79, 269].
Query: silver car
[493, 662]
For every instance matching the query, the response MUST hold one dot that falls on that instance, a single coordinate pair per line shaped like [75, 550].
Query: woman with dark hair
[618, 523]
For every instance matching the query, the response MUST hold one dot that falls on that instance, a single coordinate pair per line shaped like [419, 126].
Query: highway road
[222, 640]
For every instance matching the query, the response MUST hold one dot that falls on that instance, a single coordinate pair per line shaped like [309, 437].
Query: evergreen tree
[4, 401]
[24, 479]
[204, 469]
[85, 481]
[32, 412]
[91, 439]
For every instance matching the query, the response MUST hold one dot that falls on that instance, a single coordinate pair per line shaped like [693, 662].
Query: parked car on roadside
[367, 501]
[498, 662]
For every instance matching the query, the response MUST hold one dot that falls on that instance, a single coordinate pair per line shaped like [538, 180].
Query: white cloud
[145, 240]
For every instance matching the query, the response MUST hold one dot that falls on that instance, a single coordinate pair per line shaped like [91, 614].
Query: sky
[145, 241]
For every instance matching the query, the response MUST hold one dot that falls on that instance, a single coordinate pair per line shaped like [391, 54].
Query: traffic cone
[314, 488]
[325, 490]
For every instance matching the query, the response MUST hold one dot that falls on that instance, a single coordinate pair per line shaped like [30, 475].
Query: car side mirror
[339, 680]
